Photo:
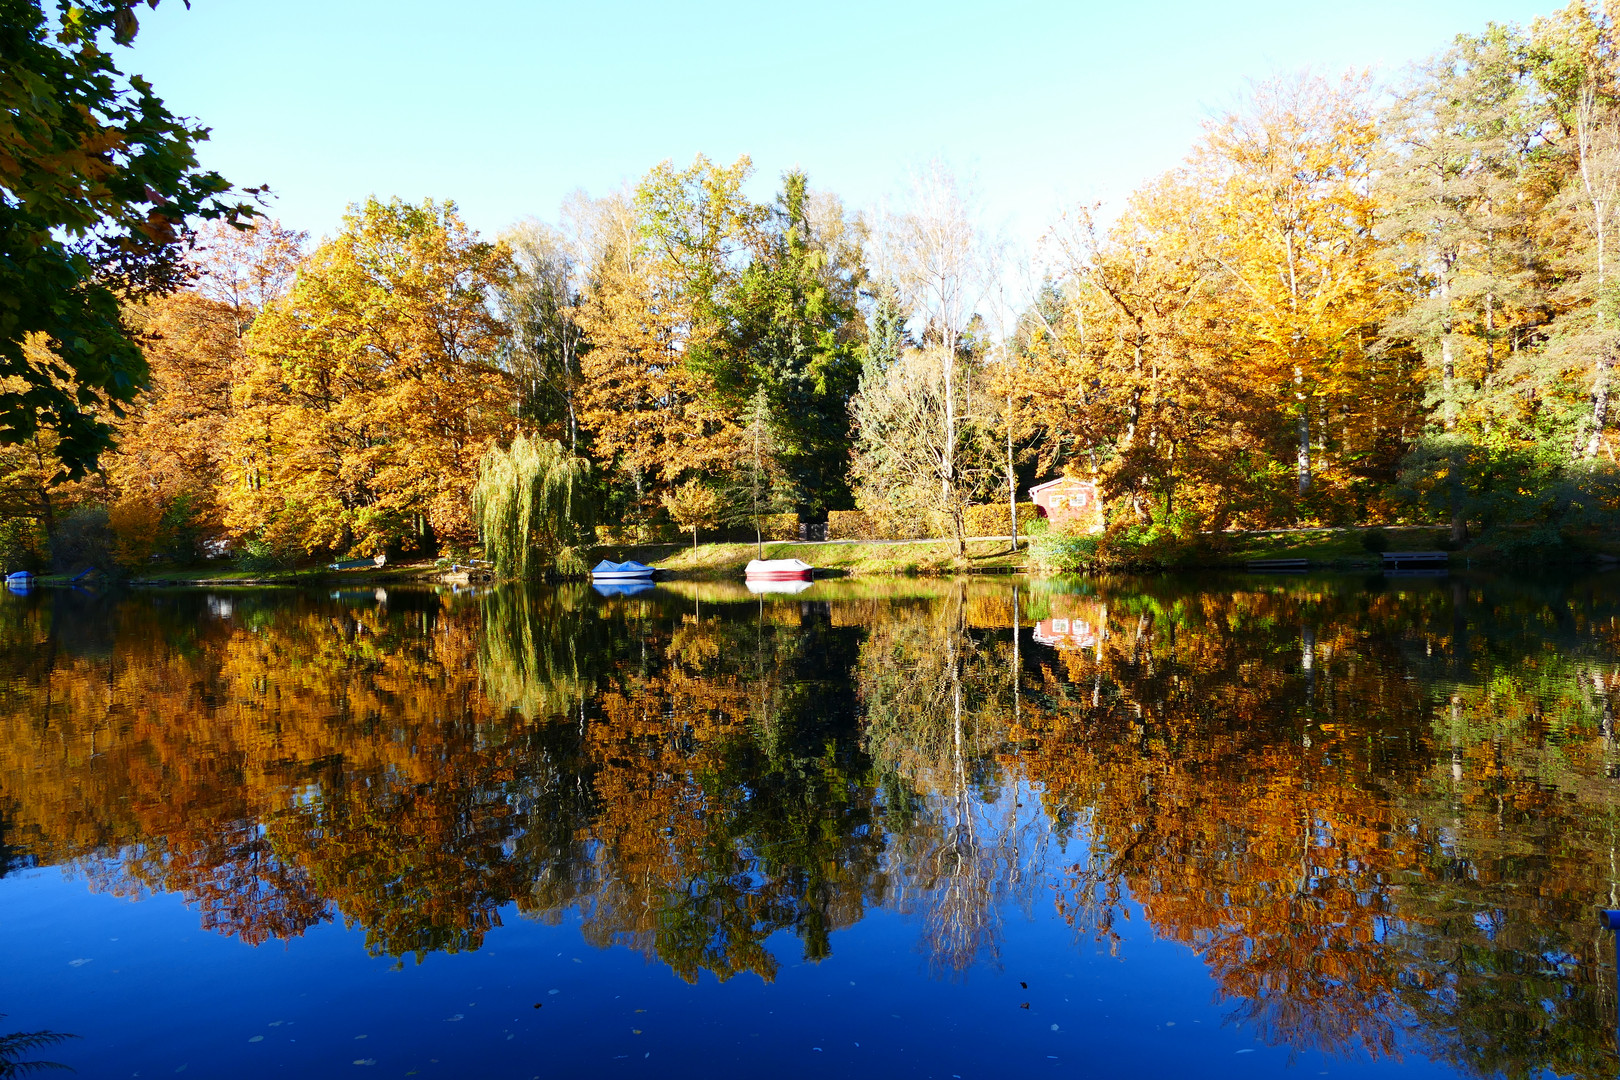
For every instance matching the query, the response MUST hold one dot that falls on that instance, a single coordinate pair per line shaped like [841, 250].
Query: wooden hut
[1069, 504]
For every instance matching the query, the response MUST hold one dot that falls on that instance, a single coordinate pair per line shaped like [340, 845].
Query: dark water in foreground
[1221, 827]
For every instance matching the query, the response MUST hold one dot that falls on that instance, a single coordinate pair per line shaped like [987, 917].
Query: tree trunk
[1600, 403]
[1448, 416]
[1303, 462]
[1012, 479]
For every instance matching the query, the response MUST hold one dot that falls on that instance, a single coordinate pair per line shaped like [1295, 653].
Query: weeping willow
[532, 508]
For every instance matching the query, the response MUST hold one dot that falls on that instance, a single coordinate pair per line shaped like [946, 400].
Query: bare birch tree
[944, 264]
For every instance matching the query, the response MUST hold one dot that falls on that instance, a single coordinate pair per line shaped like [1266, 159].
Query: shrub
[779, 526]
[858, 525]
[1375, 541]
[1065, 551]
[23, 545]
[137, 525]
[83, 538]
[1135, 547]
[991, 519]
[260, 555]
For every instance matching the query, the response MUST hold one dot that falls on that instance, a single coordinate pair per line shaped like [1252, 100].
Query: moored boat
[624, 573]
[779, 570]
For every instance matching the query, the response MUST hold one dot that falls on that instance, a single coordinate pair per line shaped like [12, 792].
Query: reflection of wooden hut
[1073, 624]
[1069, 503]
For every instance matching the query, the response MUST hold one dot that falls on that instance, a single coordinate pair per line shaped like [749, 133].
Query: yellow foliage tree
[374, 387]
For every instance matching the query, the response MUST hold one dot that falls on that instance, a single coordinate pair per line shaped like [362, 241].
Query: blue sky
[507, 106]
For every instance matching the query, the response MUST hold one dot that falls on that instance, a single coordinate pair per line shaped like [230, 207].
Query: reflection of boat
[778, 585]
[623, 588]
[779, 570]
[609, 572]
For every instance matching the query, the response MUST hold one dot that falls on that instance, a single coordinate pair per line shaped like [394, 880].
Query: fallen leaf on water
[1025, 985]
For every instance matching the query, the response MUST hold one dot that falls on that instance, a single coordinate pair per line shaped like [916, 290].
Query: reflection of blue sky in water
[854, 776]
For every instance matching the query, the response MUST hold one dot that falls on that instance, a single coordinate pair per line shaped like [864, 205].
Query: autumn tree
[540, 303]
[693, 505]
[102, 186]
[1453, 205]
[654, 259]
[374, 387]
[172, 461]
[1294, 214]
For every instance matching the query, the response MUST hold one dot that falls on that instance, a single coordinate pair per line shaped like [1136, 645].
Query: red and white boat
[780, 570]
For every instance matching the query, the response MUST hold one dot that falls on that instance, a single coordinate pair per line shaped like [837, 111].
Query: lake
[1224, 826]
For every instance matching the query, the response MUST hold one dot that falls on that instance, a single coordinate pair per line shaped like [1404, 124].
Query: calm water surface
[1223, 827]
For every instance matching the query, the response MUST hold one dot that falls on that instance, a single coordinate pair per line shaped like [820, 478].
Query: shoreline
[1339, 549]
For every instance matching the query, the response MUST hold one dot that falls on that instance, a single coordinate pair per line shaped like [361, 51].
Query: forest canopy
[1351, 303]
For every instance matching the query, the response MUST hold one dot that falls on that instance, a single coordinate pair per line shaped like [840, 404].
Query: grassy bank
[1327, 549]
[1323, 547]
[399, 573]
[715, 561]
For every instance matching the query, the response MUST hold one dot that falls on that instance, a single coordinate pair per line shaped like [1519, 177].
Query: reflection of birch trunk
[1017, 668]
[1097, 668]
[1307, 661]
[933, 708]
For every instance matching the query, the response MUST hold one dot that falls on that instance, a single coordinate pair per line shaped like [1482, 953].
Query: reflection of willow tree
[732, 802]
[1263, 774]
[936, 700]
[538, 649]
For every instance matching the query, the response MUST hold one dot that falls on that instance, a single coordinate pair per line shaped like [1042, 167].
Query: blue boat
[19, 582]
[622, 573]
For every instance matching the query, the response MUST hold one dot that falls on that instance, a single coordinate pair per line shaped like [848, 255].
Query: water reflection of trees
[1380, 815]
[935, 686]
[1263, 773]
